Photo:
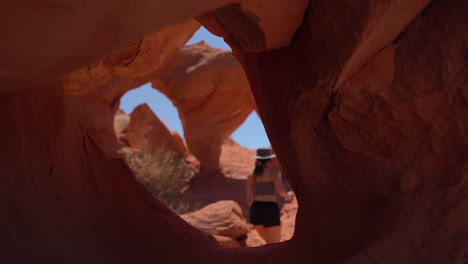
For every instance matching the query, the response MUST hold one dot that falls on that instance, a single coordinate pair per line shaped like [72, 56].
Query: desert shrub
[164, 173]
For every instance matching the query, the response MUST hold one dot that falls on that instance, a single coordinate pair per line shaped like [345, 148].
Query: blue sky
[251, 134]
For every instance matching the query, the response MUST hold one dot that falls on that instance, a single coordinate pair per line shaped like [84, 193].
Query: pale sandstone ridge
[121, 120]
[146, 132]
[212, 95]
[378, 160]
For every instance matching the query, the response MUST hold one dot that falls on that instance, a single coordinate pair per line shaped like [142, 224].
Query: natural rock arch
[207, 85]
[379, 165]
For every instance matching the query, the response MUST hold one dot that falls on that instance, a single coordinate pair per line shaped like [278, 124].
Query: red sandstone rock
[213, 73]
[102, 27]
[146, 131]
[236, 164]
[223, 218]
[373, 135]
[90, 31]
[100, 86]
[65, 200]
[227, 242]
[135, 61]
[121, 120]
[261, 25]
[381, 174]
[212, 95]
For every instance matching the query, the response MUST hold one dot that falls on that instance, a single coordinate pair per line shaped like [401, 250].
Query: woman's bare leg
[272, 234]
[261, 231]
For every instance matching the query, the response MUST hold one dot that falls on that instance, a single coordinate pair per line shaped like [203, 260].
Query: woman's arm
[249, 190]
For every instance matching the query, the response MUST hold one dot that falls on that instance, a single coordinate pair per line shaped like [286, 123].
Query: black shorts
[265, 213]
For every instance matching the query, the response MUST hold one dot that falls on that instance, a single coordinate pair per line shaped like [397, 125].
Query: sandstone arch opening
[364, 101]
[147, 144]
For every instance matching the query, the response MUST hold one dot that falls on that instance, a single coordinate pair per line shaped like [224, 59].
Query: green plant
[164, 173]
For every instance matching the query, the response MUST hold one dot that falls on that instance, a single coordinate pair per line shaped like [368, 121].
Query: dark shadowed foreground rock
[368, 114]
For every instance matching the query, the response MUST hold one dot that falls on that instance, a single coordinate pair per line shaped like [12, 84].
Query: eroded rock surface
[121, 120]
[98, 87]
[210, 90]
[375, 150]
[223, 218]
[146, 132]
[110, 27]
[256, 26]
[371, 146]
[200, 80]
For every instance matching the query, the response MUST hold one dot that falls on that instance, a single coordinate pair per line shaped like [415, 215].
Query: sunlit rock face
[121, 120]
[207, 86]
[135, 61]
[146, 132]
[366, 109]
[200, 80]
[212, 94]
[98, 87]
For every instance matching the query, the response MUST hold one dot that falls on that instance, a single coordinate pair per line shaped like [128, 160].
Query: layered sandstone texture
[366, 109]
[372, 129]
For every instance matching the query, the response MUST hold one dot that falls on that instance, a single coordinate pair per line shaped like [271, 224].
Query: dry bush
[164, 173]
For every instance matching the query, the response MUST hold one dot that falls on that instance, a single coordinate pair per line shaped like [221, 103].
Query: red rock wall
[65, 201]
[376, 151]
[377, 154]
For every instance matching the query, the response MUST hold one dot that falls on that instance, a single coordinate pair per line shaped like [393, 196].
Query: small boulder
[223, 218]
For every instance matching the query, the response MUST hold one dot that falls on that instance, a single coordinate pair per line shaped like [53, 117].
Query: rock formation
[227, 242]
[366, 109]
[223, 218]
[212, 95]
[98, 87]
[146, 131]
[200, 80]
[372, 128]
[121, 120]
